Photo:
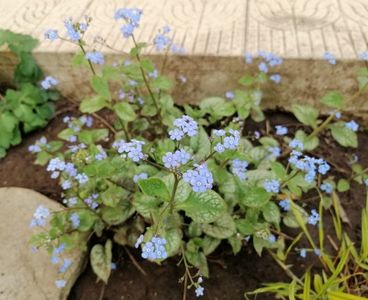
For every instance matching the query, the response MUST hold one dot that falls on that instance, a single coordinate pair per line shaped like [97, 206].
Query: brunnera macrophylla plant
[166, 179]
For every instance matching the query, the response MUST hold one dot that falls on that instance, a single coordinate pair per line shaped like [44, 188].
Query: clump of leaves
[26, 107]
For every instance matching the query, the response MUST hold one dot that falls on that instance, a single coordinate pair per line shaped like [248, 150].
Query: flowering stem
[146, 81]
[89, 62]
[174, 192]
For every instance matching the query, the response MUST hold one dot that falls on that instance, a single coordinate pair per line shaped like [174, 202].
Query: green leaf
[254, 196]
[100, 257]
[93, 135]
[198, 260]
[247, 80]
[236, 243]
[217, 107]
[117, 215]
[203, 207]
[305, 114]
[244, 226]
[309, 142]
[343, 185]
[8, 121]
[101, 87]
[222, 228]
[162, 83]
[271, 213]
[112, 196]
[173, 239]
[87, 219]
[333, 99]
[125, 111]
[154, 187]
[209, 244]
[92, 105]
[343, 135]
[146, 205]
[200, 144]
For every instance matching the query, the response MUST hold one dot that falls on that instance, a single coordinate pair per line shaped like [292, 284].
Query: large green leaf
[125, 111]
[203, 207]
[117, 215]
[101, 87]
[100, 257]
[305, 114]
[154, 187]
[254, 196]
[343, 135]
[333, 99]
[222, 228]
[91, 105]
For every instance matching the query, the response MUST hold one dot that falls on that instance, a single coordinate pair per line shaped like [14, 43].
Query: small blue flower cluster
[330, 58]
[285, 204]
[60, 283]
[132, 16]
[326, 187]
[91, 201]
[313, 218]
[271, 185]
[183, 126]
[49, 82]
[56, 165]
[200, 178]
[230, 141]
[140, 176]
[37, 147]
[239, 168]
[75, 220]
[132, 149]
[176, 159]
[154, 249]
[270, 60]
[51, 34]
[161, 40]
[352, 125]
[95, 57]
[296, 144]
[40, 216]
[364, 56]
[308, 164]
[275, 151]
[101, 155]
[281, 130]
[230, 95]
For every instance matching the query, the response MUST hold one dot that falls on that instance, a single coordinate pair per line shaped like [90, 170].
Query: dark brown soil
[230, 275]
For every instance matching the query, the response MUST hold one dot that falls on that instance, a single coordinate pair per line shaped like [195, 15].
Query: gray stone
[25, 274]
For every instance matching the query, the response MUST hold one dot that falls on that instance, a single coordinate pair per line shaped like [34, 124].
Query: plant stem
[146, 81]
[89, 62]
[174, 192]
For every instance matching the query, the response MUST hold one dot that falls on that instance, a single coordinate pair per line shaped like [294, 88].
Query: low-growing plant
[27, 106]
[168, 179]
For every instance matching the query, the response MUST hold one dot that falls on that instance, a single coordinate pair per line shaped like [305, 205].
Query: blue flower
[248, 57]
[74, 218]
[296, 144]
[303, 253]
[82, 178]
[281, 130]
[275, 151]
[49, 82]
[326, 187]
[127, 30]
[328, 56]
[219, 148]
[65, 266]
[364, 56]
[60, 283]
[51, 34]
[66, 184]
[317, 252]
[338, 115]
[114, 266]
[40, 216]
[199, 291]
[132, 17]
[271, 185]
[230, 95]
[276, 78]
[183, 126]
[132, 149]
[95, 57]
[352, 125]
[140, 176]
[161, 41]
[154, 249]
[263, 67]
[71, 31]
[239, 168]
[200, 178]
[219, 132]
[55, 164]
[101, 155]
[313, 218]
[285, 204]
[90, 201]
